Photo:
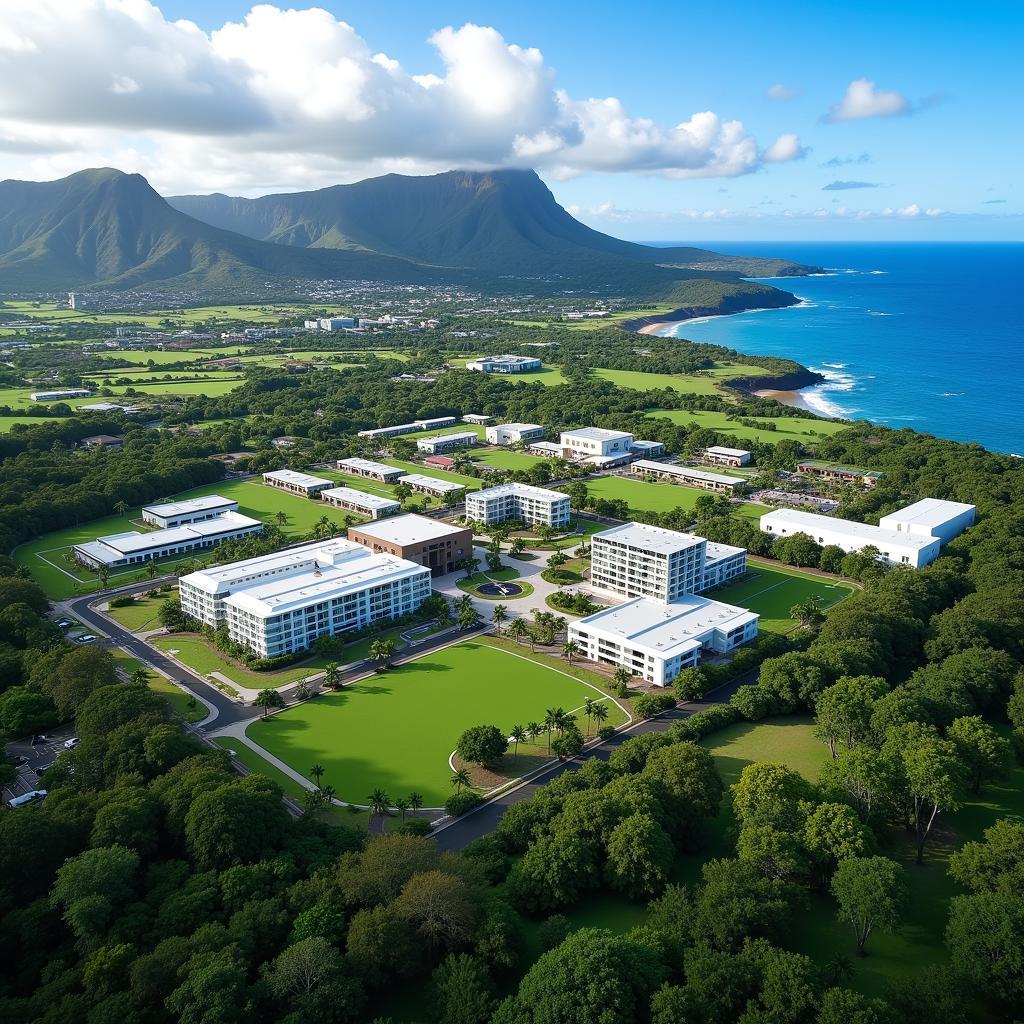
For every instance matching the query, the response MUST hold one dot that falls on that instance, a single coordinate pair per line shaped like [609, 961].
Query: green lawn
[207, 388]
[19, 398]
[396, 730]
[140, 615]
[687, 383]
[656, 497]
[469, 482]
[771, 591]
[787, 428]
[7, 423]
[454, 428]
[174, 695]
[501, 459]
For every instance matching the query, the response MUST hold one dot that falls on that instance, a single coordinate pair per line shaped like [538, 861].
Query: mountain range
[500, 231]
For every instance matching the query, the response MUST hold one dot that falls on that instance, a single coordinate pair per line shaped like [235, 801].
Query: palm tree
[534, 729]
[600, 713]
[268, 699]
[840, 969]
[121, 507]
[463, 602]
[588, 710]
[332, 675]
[379, 802]
[281, 518]
[517, 629]
[498, 616]
[317, 771]
[622, 677]
[151, 569]
[415, 801]
[460, 777]
[570, 649]
[140, 676]
[402, 803]
[518, 735]
[328, 793]
[104, 574]
[552, 720]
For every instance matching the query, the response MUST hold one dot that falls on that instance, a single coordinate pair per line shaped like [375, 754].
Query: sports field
[771, 592]
[656, 497]
[787, 428]
[397, 729]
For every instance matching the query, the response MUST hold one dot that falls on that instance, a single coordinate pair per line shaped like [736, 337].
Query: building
[189, 510]
[409, 428]
[372, 505]
[436, 423]
[505, 364]
[102, 441]
[431, 485]
[586, 442]
[657, 641]
[839, 474]
[931, 517]
[297, 483]
[728, 456]
[722, 563]
[439, 462]
[514, 433]
[59, 396]
[281, 603]
[688, 476]
[545, 449]
[438, 546]
[370, 470]
[335, 323]
[135, 548]
[128, 410]
[285, 442]
[518, 501]
[647, 449]
[477, 419]
[447, 442]
[899, 547]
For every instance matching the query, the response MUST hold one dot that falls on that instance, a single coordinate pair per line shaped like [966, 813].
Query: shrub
[561, 577]
[415, 826]
[647, 705]
[753, 702]
[690, 684]
[704, 722]
[460, 803]
[568, 743]
[606, 732]
[122, 602]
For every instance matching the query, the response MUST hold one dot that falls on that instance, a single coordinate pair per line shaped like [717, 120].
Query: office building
[723, 456]
[477, 419]
[352, 500]
[505, 364]
[429, 542]
[409, 428]
[188, 510]
[514, 433]
[587, 442]
[688, 476]
[518, 501]
[297, 483]
[370, 470]
[447, 442]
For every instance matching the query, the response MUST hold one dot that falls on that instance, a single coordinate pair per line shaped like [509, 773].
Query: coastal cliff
[793, 381]
[773, 298]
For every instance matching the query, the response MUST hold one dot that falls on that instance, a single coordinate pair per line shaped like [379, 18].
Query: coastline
[791, 398]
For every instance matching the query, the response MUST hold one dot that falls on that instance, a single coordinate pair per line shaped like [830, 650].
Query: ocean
[923, 335]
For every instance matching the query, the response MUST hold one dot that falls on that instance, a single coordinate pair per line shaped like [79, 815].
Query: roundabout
[500, 590]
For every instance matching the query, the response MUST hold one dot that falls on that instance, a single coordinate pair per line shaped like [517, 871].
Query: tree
[332, 675]
[460, 777]
[985, 936]
[995, 864]
[517, 629]
[871, 893]
[381, 651]
[984, 753]
[281, 518]
[600, 713]
[843, 710]
[268, 699]
[415, 801]
[379, 804]
[570, 649]
[588, 709]
[317, 773]
[621, 677]
[440, 907]
[517, 546]
[569, 742]
[769, 793]
[640, 857]
[304, 966]
[482, 744]
[22, 711]
[498, 615]
[121, 507]
[140, 677]
[467, 615]
[808, 613]
[213, 991]
[463, 991]
[518, 735]
[469, 566]
[401, 804]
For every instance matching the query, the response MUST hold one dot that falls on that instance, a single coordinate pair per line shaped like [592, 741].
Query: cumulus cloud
[844, 186]
[299, 97]
[778, 91]
[863, 100]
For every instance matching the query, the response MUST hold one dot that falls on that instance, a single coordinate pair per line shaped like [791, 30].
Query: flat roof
[856, 470]
[435, 421]
[291, 476]
[517, 426]
[650, 538]
[596, 433]
[876, 535]
[420, 480]
[526, 490]
[505, 359]
[408, 529]
[665, 630]
[445, 437]
[547, 446]
[361, 498]
[640, 443]
[133, 541]
[177, 508]
[368, 466]
[929, 512]
[646, 465]
[715, 552]
[718, 449]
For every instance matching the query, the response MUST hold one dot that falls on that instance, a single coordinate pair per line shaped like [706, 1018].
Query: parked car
[38, 741]
[71, 743]
[27, 798]
[86, 638]
[64, 624]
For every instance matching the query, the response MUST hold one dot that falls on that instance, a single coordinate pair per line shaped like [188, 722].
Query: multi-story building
[373, 505]
[282, 603]
[688, 476]
[722, 563]
[723, 456]
[587, 442]
[513, 433]
[505, 364]
[371, 470]
[431, 485]
[518, 501]
[438, 546]
[447, 442]
[297, 483]
[637, 560]
[188, 510]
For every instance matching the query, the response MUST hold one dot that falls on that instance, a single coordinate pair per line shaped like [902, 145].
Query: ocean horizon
[921, 335]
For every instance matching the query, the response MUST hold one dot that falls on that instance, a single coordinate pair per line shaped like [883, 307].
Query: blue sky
[931, 150]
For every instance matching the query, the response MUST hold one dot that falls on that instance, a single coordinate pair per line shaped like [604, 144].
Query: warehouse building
[518, 501]
[429, 542]
[688, 476]
[59, 396]
[188, 510]
[370, 470]
[352, 500]
[447, 442]
[297, 483]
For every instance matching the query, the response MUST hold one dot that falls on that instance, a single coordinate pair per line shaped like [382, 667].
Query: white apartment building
[688, 476]
[371, 470]
[373, 505]
[447, 442]
[518, 501]
[431, 485]
[57, 396]
[135, 548]
[297, 483]
[504, 364]
[723, 456]
[513, 433]
[722, 563]
[931, 517]
[188, 510]
[656, 641]
[282, 603]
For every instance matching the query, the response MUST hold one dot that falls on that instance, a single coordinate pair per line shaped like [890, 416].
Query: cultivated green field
[656, 497]
[396, 730]
[787, 428]
[49, 311]
[771, 592]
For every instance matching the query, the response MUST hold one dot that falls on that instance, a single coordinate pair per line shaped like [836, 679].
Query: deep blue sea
[929, 336]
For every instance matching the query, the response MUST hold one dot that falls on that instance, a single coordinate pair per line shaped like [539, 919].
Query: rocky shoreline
[795, 381]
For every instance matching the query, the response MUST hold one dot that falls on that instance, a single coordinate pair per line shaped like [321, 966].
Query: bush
[460, 803]
[606, 732]
[568, 743]
[553, 931]
[482, 744]
[690, 684]
[704, 723]
[122, 602]
[414, 827]
[753, 702]
[560, 577]
[647, 705]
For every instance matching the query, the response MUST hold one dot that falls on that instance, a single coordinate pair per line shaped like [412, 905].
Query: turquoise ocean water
[929, 336]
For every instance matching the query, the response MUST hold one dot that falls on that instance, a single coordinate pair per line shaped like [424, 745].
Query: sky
[653, 121]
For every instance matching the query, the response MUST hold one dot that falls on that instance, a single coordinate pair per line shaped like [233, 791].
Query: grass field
[787, 428]
[771, 592]
[396, 730]
[48, 311]
[18, 398]
[140, 615]
[656, 497]
[469, 482]
[9, 422]
[502, 459]
[209, 388]
[178, 700]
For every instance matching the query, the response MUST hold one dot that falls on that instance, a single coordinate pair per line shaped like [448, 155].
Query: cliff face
[802, 378]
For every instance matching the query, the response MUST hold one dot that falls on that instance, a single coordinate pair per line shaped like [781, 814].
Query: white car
[27, 798]
[71, 743]
[86, 638]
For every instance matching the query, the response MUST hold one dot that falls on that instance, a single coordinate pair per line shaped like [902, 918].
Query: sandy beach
[656, 327]
[791, 398]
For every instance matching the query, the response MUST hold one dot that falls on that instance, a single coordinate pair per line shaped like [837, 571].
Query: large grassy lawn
[704, 383]
[397, 729]
[20, 398]
[177, 699]
[771, 592]
[502, 459]
[7, 423]
[469, 482]
[656, 497]
[787, 428]
[140, 615]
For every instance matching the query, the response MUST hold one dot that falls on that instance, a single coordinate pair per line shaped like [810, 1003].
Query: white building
[409, 428]
[336, 323]
[688, 476]
[505, 364]
[371, 470]
[723, 456]
[478, 419]
[431, 485]
[647, 449]
[587, 442]
[297, 483]
[189, 510]
[518, 501]
[58, 396]
[513, 433]
[135, 548]
[281, 603]
[656, 641]
[931, 517]
[447, 442]
[372, 505]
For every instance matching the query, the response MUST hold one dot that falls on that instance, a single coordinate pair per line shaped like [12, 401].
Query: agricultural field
[419, 709]
[787, 428]
[772, 591]
[656, 497]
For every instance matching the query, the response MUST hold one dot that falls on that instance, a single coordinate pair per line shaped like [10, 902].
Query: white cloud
[786, 147]
[296, 98]
[778, 91]
[863, 100]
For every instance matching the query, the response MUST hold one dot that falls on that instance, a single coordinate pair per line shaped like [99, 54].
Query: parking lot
[37, 758]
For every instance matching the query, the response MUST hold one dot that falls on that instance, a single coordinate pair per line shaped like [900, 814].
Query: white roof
[811, 522]
[715, 552]
[408, 529]
[437, 421]
[645, 465]
[291, 476]
[368, 466]
[505, 359]
[447, 437]
[546, 446]
[649, 538]
[360, 498]
[477, 417]
[188, 505]
[638, 443]
[519, 427]
[717, 449]
[928, 512]
[441, 486]
[596, 434]
[134, 542]
[665, 630]
[524, 490]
